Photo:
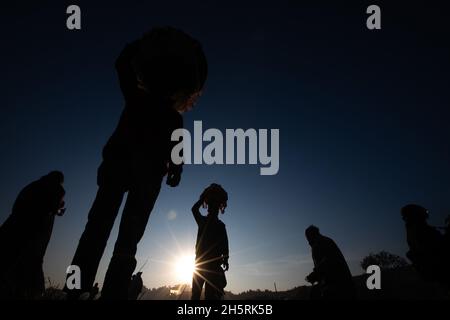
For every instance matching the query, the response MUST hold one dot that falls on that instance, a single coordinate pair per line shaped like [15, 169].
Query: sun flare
[184, 268]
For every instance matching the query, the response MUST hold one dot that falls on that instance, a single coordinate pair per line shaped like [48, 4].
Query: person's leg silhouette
[112, 181]
[95, 236]
[139, 204]
[197, 285]
[212, 286]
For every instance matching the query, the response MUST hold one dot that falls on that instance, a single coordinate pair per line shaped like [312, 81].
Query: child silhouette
[211, 249]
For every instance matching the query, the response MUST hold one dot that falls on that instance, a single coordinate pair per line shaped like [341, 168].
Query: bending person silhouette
[161, 75]
[211, 249]
[428, 251]
[25, 235]
[331, 271]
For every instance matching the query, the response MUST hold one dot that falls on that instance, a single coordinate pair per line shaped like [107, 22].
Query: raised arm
[196, 211]
[127, 77]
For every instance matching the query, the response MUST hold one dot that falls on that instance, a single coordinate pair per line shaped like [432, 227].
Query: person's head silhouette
[56, 177]
[312, 233]
[215, 199]
[414, 214]
[54, 181]
[172, 65]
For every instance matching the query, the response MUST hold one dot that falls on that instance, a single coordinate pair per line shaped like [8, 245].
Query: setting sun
[184, 268]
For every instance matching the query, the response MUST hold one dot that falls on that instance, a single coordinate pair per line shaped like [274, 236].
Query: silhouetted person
[161, 75]
[136, 286]
[211, 249]
[94, 292]
[25, 235]
[331, 271]
[427, 246]
[447, 234]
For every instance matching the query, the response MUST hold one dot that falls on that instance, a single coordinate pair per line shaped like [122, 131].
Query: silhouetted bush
[384, 260]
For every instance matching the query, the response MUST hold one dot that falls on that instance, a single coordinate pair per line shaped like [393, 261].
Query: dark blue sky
[363, 118]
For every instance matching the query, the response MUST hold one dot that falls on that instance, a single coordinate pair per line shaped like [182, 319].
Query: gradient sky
[363, 118]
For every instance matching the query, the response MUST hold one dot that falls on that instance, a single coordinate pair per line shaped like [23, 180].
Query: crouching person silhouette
[211, 249]
[161, 75]
[25, 235]
[428, 250]
[331, 272]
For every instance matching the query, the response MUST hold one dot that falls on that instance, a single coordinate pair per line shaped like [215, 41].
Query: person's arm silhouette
[226, 253]
[174, 175]
[174, 170]
[196, 210]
